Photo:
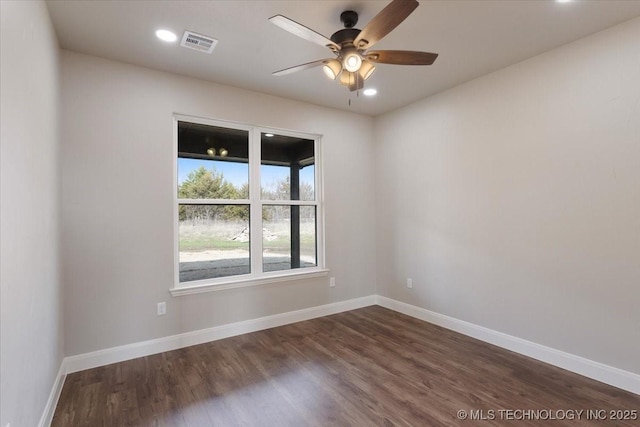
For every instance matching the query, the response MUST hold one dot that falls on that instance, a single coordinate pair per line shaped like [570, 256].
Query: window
[247, 205]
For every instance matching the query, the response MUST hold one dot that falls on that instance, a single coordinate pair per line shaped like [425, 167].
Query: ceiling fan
[354, 63]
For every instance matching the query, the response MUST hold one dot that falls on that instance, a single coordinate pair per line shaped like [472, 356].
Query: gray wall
[30, 290]
[513, 201]
[117, 206]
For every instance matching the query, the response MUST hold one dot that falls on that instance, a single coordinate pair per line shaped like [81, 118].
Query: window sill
[249, 281]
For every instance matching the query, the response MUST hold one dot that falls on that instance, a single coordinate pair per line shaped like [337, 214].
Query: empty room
[320, 213]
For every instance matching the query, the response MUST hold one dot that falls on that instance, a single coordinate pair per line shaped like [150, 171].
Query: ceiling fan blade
[401, 57]
[384, 22]
[300, 67]
[303, 32]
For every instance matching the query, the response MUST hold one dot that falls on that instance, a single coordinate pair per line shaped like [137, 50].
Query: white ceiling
[473, 37]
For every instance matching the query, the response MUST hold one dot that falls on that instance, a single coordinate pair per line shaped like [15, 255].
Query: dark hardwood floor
[367, 367]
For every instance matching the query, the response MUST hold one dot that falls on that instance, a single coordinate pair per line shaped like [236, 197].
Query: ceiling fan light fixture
[366, 70]
[347, 78]
[332, 68]
[352, 61]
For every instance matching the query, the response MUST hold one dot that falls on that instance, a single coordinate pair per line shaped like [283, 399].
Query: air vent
[198, 42]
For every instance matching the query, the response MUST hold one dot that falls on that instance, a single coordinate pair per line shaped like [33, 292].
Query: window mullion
[290, 202]
[319, 195]
[255, 218]
[213, 201]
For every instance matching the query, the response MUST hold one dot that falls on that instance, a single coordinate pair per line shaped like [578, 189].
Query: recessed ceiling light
[563, 1]
[166, 36]
[370, 92]
[268, 135]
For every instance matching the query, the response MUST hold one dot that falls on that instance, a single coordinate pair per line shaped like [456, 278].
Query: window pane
[213, 162]
[275, 182]
[287, 168]
[288, 237]
[213, 241]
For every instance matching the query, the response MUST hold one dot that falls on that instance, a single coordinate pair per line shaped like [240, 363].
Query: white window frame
[255, 202]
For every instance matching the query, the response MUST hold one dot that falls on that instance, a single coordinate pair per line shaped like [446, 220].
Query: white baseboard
[159, 345]
[598, 371]
[52, 402]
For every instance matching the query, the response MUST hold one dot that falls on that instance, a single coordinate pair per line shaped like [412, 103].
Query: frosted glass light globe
[352, 62]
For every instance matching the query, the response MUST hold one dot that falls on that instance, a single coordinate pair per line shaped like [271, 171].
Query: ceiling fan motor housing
[349, 18]
[347, 35]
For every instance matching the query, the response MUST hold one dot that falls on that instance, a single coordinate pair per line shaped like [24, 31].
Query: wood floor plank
[366, 367]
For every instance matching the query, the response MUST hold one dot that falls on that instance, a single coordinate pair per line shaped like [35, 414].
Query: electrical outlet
[332, 282]
[162, 308]
[409, 283]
